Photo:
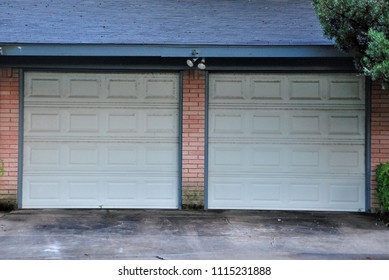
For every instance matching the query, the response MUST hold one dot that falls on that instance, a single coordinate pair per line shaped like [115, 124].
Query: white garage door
[292, 142]
[100, 140]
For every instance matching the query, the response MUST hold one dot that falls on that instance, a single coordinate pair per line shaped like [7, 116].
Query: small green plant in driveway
[382, 178]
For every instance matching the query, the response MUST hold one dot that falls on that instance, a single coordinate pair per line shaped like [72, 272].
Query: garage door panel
[228, 156]
[100, 157]
[347, 194]
[306, 89]
[293, 158]
[244, 193]
[141, 192]
[40, 189]
[85, 88]
[327, 159]
[41, 155]
[83, 122]
[347, 124]
[267, 89]
[347, 159]
[43, 122]
[87, 156]
[287, 123]
[121, 156]
[160, 88]
[290, 142]
[264, 192]
[305, 192]
[265, 123]
[228, 89]
[266, 156]
[102, 88]
[122, 121]
[43, 86]
[344, 192]
[83, 189]
[163, 122]
[247, 158]
[159, 189]
[307, 123]
[123, 88]
[228, 122]
[292, 89]
[100, 191]
[101, 140]
[306, 158]
[233, 191]
[121, 191]
[346, 90]
[160, 157]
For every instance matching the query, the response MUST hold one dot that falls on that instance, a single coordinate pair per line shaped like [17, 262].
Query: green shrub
[360, 28]
[382, 178]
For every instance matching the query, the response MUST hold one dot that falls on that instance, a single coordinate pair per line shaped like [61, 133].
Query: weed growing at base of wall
[1, 168]
[7, 205]
[382, 178]
[193, 199]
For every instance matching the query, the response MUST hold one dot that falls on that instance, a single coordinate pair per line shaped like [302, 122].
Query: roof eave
[216, 51]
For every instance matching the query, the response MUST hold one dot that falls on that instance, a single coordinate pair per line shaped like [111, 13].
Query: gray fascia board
[216, 51]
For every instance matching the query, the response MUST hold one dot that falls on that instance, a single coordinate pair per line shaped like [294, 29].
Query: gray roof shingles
[161, 22]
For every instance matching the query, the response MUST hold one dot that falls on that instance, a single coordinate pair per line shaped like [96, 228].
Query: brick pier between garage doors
[193, 138]
[225, 106]
[9, 135]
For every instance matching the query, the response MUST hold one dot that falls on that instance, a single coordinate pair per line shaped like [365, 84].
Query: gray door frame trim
[180, 118]
[368, 91]
[21, 138]
[75, 70]
[206, 144]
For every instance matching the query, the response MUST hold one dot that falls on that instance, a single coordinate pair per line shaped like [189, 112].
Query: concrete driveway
[170, 234]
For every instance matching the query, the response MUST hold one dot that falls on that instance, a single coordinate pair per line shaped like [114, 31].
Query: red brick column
[9, 128]
[379, 135]
[193, 137]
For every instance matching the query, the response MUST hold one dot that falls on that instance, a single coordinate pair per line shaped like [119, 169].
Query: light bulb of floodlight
[201, 65]
[190, 62]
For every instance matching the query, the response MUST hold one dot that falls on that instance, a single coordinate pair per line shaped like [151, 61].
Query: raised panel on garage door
[99, 140]
[293, 142]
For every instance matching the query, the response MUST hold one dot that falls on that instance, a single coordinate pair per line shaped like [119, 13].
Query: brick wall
[193, 134]
[379, 134]
[9, 118]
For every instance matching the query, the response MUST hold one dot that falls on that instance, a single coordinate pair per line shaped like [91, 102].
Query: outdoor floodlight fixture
[191, 63]
[195, 57]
